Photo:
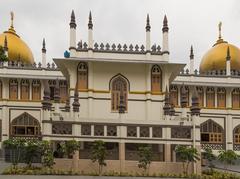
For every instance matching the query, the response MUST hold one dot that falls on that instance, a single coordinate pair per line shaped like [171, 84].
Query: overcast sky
[123, 21]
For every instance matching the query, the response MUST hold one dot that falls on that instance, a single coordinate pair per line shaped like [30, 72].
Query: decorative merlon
[137, 49]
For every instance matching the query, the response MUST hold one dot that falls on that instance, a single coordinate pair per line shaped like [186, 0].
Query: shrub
[99, 154]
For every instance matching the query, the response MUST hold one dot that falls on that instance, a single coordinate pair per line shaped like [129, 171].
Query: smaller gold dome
[17, 48]
[215, 58]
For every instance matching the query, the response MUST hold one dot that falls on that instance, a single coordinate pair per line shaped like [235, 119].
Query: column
[30, 89]
[167, 152]
[90, 92]
[122, 156]
[204, 97]
[148, 95]
[216, 100]
[75, 160]
[229, 132]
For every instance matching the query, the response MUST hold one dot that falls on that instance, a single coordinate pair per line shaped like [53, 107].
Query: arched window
[211, 132]
[36, 90]
[237, 135]
[119, 87]
[174, 95]
[187, 93]
[210, 97]
[25, 89]
[13, 89]
[25, 125]
[156, 79]
[236, 98]
[200, 96]
[82, 76]
[221, 97]
[63, 90]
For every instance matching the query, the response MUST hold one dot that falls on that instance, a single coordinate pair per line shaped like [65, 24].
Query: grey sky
[123, 21]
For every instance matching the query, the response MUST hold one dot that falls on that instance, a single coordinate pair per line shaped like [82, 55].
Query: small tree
[228, 157]
[209, 156]
[15, 146]
[32, 151]
[145, 158]
[71, 146]
[3, 57]
[47, 154]
[187, 155]
[99, 154]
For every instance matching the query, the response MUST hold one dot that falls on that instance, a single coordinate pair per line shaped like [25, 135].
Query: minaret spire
[44, 58]
[191, 60]
[5, 43]
[165, 24]
[228, 54]
[148, 27]
[191, 53]
[148, 35]
[73, 21]
[90, 24]
[228, 62]
[44, 46]
[72, 40]
[165, 45]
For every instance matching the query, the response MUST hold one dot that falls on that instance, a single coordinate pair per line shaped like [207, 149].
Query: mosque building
[125, 95]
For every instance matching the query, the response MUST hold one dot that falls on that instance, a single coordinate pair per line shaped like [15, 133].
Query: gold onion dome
[215, 58]
[18, 50]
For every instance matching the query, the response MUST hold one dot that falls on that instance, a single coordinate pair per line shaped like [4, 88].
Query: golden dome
[215, 58]
[17, 48]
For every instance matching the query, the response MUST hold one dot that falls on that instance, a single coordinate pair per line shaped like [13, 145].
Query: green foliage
[3, 57]
[145, 157]
[99, 154]
[15, 146]
[187, 155]
[227, 157]
[32, 150]
[29, 150]
[209, 156]
[47, 154]
[71, 146]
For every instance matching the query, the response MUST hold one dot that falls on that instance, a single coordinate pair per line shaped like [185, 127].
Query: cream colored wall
[130, 167]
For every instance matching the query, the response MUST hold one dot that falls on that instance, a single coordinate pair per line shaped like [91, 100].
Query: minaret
[5, 47]
[165, 46]
[148, 38]
[76, 103]
[184, 102]
[73, 26]
[228, 63]
[191, 61]
[195, 109]
[195, 116]
[46, 109]
[67, 105]
[90, 32]
[44, 61]
[57, 96]
[167, 106]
